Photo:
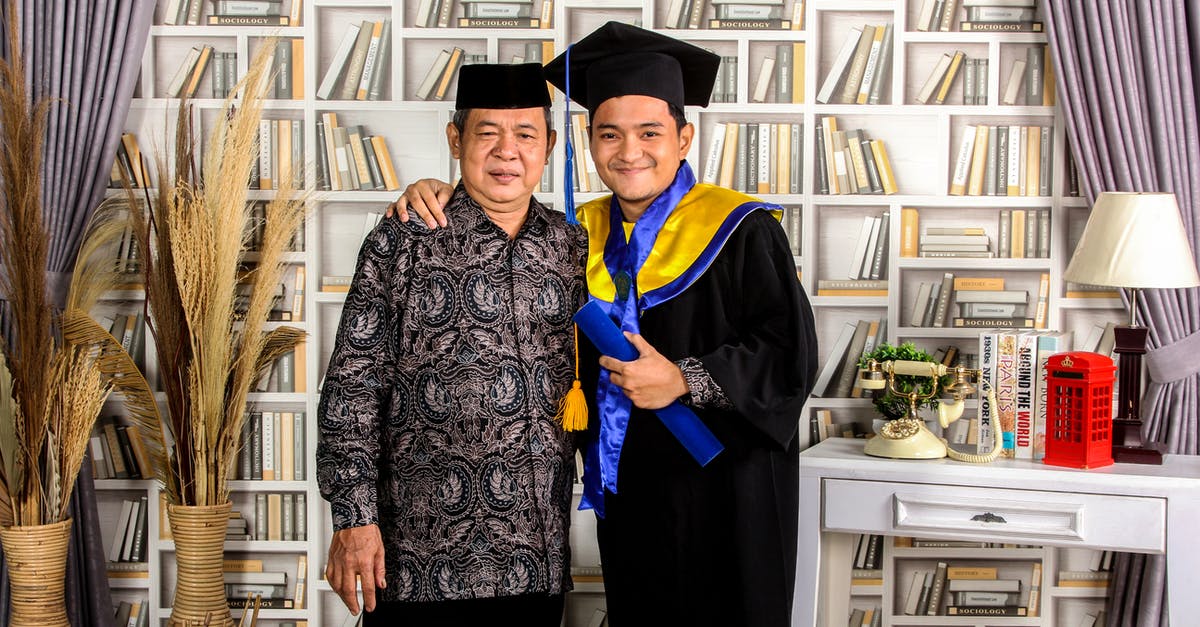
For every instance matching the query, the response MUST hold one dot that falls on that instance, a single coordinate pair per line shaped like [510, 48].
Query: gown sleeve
[767, 366]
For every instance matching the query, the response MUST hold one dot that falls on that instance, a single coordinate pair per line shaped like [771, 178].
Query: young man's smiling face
[637, 147]
[501, 155]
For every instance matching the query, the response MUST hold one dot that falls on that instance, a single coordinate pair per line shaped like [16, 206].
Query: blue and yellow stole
[671, 246]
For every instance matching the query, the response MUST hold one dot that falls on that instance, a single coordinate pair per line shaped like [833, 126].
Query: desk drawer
[1023, 516]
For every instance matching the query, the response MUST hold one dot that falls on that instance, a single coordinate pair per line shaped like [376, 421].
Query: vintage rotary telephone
[908, 438]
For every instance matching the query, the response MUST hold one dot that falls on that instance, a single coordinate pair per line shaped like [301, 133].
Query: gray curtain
[1124, 71]
[86, 55]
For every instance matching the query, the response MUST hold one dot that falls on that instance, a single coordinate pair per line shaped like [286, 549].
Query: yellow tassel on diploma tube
[572, 409]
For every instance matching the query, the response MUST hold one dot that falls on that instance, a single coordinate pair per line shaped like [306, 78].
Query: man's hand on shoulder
[426, 198]
[354, 553]
[651, 381]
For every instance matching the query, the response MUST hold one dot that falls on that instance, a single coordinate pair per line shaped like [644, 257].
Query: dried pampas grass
[191, 237]
[61, 365]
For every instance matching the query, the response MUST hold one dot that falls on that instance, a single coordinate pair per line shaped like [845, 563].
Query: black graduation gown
[685, 545]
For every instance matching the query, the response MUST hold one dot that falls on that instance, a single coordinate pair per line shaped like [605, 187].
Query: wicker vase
[199, 549]
[37, 567]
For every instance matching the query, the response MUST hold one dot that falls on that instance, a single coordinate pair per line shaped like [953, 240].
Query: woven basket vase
[37, 569]
[199, 532]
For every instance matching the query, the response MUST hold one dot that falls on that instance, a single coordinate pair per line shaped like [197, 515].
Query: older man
[448, 476]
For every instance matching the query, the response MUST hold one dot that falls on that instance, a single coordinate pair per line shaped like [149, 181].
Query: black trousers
[529, 610]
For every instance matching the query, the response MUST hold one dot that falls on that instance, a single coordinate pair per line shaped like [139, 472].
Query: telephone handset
[908, 437]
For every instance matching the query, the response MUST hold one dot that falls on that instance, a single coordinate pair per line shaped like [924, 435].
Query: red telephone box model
[1079, 389]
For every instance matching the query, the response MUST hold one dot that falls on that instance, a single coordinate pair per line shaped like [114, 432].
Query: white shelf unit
[920, 141]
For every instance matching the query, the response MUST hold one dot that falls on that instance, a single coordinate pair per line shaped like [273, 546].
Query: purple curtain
[86, 55]
[1125, 71]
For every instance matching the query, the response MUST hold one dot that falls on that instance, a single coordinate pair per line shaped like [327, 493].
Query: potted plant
[892, 405]
[191, 237]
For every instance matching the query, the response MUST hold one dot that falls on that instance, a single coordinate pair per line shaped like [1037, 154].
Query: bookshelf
[921, 142]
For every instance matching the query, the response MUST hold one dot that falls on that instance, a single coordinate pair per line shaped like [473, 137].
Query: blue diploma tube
[681, 421]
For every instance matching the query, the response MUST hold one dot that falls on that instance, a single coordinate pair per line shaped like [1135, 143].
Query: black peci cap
[622, 60]
[499, 86]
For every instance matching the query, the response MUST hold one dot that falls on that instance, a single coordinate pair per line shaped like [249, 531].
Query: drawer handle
[988, 517]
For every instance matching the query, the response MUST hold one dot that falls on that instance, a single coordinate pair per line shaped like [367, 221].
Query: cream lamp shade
[1136, 240]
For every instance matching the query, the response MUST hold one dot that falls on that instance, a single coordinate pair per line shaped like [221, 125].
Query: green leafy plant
[896, 405]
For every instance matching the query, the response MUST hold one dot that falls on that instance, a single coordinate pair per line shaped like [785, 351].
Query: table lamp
[1133, 240]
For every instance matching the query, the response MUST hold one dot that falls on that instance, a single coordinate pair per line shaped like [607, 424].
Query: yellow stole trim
[687, 232]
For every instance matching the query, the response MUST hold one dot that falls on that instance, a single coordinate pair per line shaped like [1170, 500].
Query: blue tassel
[569, 169]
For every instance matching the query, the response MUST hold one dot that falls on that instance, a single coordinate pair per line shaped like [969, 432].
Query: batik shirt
[436, 419]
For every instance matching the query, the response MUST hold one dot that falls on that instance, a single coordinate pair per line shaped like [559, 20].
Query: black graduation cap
[501, 86]
[622, 60]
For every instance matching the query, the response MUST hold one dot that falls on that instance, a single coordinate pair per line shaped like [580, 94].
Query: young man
[703, 281]
[448, 477]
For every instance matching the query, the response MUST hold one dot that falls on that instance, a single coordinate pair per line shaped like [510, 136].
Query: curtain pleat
[86, 57]
[1125, 77]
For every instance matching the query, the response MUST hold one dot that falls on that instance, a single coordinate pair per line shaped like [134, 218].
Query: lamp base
[1131, 455]
[1128, 447]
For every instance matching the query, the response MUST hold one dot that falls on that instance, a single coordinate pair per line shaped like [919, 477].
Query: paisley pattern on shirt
[437, 411]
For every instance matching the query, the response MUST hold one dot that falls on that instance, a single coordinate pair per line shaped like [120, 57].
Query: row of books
[981, 16]
[1014, 365]
[725, 85]
[786, 69]
[129, 539]
[132, 613]
[273, 446]
[1020, 234]
[862, 69]
[822, 425]
[439, 77]
[280, 154]
[937, 85]
[1036, 73]
[971, 591]
[286, 306]
[850, 162]
[866, 617]
[868, 554]
[281, 517]
[359, 67]
[756, 158]
[1003, 161]
[743, 15]
[839, 376]
[187, 77]
[286, 374]
[868, 262]
[258, 223]
[982, 302]
[349, 159]
[118, 450]
[287, 69]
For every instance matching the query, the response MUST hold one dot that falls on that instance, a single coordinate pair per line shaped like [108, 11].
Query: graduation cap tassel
[569, 169]
[573, 409]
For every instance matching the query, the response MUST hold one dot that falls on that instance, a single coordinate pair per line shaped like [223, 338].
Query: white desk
[1123, 507]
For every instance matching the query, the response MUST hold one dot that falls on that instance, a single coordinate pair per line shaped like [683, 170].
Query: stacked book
[253, 13]
[495, 14]
[247, 584]
[983, 303]
[744, 15]
[862, 69]
[1003, 161]
[1000, 16]
[755, 158]
[978, 591]
[350, 159]
[850, 162]
[359, 67]
[957, 241]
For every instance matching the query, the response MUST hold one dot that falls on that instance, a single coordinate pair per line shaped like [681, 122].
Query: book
[967, 26]
[986, 610]
[935, 592]
[500, 22]
[840, 63]
[972, 572]
[249, 20]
